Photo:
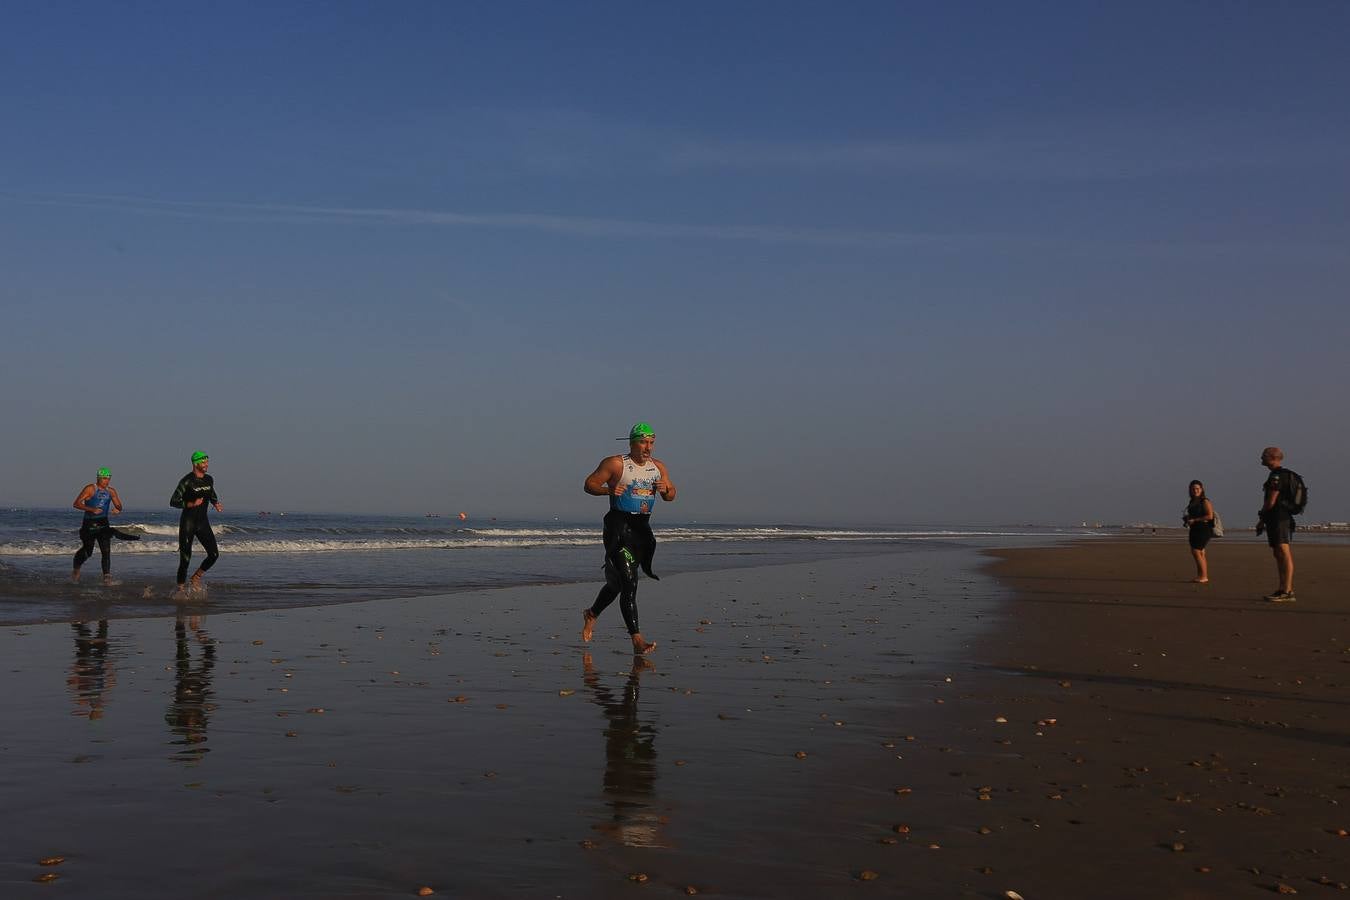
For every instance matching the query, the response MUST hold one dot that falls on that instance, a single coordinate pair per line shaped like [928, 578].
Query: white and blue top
[635, 493]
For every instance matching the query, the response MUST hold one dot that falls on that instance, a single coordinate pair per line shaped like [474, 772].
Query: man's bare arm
[663, 486]
[601, 482]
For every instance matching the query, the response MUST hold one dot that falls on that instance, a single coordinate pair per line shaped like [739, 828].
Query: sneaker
[1282, 597]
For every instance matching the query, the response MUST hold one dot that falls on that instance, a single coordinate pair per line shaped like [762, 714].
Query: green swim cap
[104, 473]
[641, 430]
[198, 456]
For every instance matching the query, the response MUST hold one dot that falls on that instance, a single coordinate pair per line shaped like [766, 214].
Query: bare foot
[642, 646]
[1199, 581]
[587, 625]
[197, 586]
[179, 595]
[75, 577]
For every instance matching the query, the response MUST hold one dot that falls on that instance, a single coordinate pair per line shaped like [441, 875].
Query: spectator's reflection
[92, 675]
[630, 759]
[188, 714]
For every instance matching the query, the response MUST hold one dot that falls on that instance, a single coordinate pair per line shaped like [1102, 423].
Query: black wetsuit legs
[200, 529]
[91, 532]
[628, 545]
[621, 582]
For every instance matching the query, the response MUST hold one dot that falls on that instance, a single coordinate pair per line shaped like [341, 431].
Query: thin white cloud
[569, 141]
[1114, 153]
[580, 226]
[592, 227]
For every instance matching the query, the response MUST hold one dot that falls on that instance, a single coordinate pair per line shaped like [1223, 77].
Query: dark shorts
[1200, 536]
[1280, 531]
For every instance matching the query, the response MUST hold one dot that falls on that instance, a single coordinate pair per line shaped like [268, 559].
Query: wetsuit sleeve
[176, 501]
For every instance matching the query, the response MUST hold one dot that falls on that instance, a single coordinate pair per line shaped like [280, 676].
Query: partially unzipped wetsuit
[629, 542]
[95, 528]
[193, 523]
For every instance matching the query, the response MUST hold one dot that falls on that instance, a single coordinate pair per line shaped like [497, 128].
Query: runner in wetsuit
[97, 501]
[194, 491]
[632, 482]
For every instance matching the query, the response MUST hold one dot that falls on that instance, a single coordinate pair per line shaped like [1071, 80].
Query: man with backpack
[1285, 497]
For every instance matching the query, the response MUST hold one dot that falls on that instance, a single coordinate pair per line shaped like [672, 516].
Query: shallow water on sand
[474, 745]
[272, 562]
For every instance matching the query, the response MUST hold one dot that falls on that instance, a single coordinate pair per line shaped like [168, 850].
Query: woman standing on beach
[1199, 518]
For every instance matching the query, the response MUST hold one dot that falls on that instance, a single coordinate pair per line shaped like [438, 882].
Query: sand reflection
[630, 759]
[92, 675]
[190, 710]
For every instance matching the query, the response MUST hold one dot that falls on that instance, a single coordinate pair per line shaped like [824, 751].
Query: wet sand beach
[812, 730]
[1195, 739]
[472, 744]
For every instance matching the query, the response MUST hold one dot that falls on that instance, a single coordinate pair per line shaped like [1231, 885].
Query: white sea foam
[162, 538]
[159, 529]
[46, 548]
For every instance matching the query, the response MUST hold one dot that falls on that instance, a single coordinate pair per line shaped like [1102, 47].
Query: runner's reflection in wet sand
[92, 674]
[191, 707]
[630, 760]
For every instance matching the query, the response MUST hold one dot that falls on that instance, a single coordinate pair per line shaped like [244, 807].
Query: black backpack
[1296, 498]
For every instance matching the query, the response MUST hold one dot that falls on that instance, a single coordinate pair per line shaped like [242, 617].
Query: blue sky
[856, 263]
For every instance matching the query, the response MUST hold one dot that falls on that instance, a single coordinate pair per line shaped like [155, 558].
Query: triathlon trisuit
[102, 498]
[635, 493]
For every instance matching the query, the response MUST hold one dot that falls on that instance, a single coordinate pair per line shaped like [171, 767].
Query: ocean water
[286, 560]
